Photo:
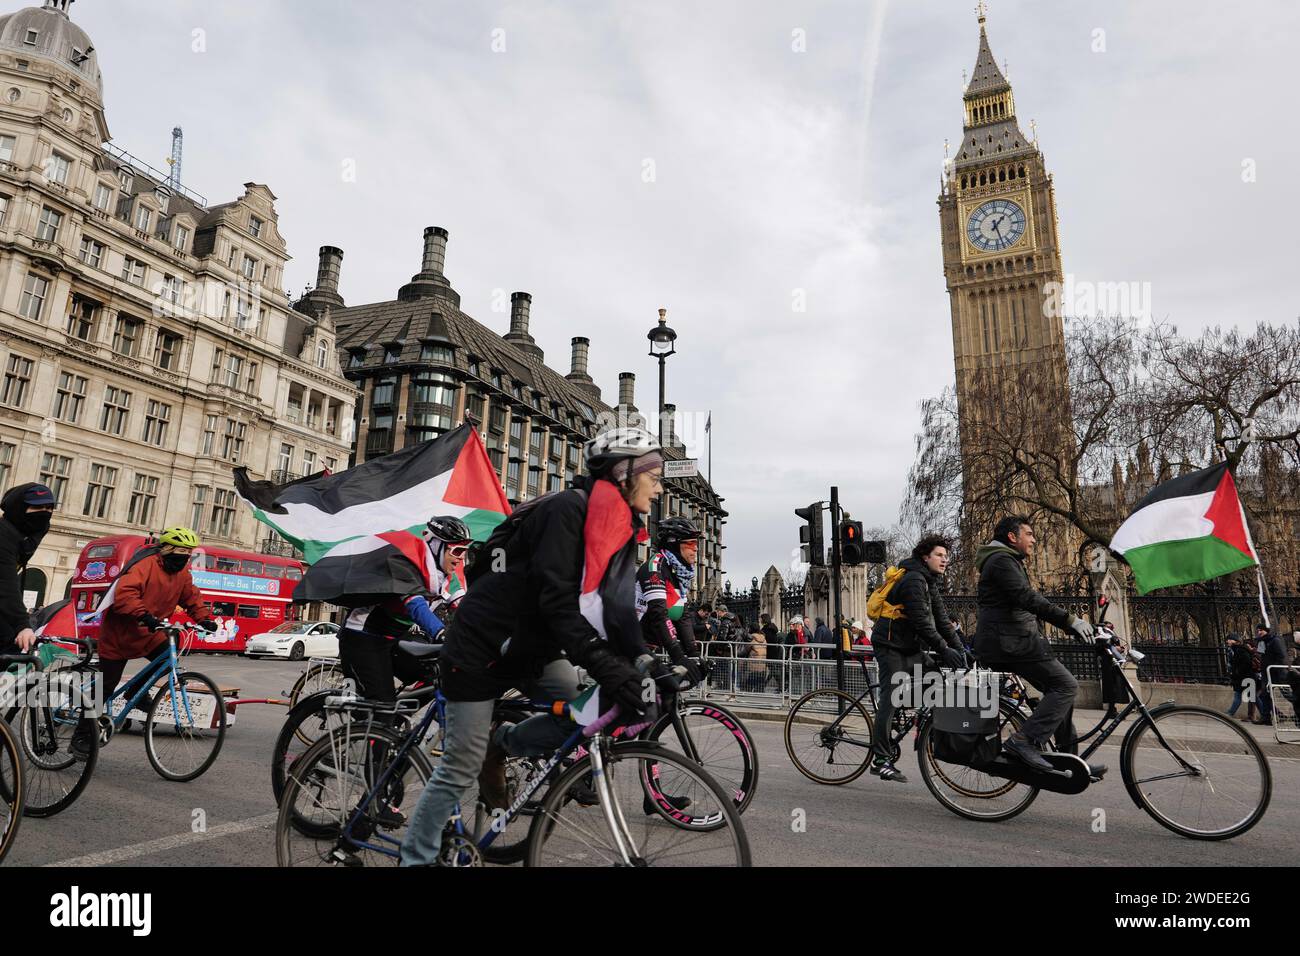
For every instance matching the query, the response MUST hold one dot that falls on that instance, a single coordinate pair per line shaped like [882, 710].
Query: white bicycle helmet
[616, 444]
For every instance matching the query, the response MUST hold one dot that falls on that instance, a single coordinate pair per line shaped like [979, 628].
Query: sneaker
[888, 772]
[1020, 748]
[1096, 771]
[877, 764]
[677, 803]
[389, 817]
[79, 747]
[583, 793]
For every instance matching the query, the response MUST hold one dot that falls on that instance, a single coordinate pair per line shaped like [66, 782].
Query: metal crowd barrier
[777, 681]
[1282, 692]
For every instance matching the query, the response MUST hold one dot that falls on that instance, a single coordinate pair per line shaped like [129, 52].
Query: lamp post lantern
[661, 339]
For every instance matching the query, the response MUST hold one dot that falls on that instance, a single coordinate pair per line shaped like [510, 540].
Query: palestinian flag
[1189, 529]
[368, 570]
[450, 475]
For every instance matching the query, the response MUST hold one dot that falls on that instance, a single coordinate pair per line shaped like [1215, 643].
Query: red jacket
[146, 589]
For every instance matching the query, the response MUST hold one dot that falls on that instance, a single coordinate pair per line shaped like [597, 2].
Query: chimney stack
[578, 366]
[670, 426]
[520, 304]
[430, 282]
[325, 296]
[327, 272]
[627, 390]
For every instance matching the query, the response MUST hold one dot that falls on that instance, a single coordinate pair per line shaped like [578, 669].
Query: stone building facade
[146, 345]
[424, 366]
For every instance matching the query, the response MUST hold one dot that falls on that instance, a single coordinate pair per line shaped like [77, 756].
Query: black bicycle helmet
[446, 528]
[671, 532]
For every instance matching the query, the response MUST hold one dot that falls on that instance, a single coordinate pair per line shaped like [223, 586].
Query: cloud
[774, 171]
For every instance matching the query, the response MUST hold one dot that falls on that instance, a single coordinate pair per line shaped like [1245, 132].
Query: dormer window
[255, 226]
[322, 354]
[142, 216]
[30, 39]
[392, 353]
[163, 198]
[126, 179]
[356, 358]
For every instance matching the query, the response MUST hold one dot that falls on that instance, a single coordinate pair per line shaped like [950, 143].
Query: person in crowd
[529, 620]
[796, 639]
[823, 637]
[25, 514]
[1241, 674]
[861, 635]
[154, 583]
[1008, 637]
[1272, 653]
[756, 661]
[901, 642]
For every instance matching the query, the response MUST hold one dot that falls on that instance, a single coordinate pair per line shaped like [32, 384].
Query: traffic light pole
[835, 587]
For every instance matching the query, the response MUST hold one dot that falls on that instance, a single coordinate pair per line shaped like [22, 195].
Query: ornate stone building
[146, 345]
[424, 367]
[1002, 267]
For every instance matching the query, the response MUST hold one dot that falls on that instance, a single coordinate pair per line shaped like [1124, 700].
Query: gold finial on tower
[981, 9]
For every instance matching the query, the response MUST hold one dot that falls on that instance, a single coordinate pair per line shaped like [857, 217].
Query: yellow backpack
[878, 605]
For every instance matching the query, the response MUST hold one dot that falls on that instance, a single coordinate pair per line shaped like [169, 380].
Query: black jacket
[773, 635]
[1010, 609]
[512, 621]
[925, 624]
[1240, 666]
[16, 549]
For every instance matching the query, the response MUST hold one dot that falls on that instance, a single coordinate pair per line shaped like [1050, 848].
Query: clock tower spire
[1002, 265]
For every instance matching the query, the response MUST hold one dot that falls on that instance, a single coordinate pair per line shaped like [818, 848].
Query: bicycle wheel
[185, 727]
[970, 793]
[568, 832]
[722, 743]
[53, 776]
[307, 722]
[316, 678]
[330, 782]
[1208, 780]
[828, 736]
[12, 791]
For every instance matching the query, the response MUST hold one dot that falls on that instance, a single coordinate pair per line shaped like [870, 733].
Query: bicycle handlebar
[86, 643]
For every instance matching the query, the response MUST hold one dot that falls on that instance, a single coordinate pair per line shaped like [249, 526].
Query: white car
[296, 640]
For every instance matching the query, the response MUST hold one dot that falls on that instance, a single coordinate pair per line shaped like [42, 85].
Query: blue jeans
[464, 747]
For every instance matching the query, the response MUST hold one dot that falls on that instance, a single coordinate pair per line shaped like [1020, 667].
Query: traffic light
[873, 552]
[810, 535]
[852, 549]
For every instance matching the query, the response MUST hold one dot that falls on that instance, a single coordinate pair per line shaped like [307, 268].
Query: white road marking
[108, 857]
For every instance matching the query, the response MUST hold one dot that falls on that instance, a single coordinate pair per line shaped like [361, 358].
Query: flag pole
[709, 431]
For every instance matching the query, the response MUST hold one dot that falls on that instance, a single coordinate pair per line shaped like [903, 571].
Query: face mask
[174, 563]
[35, 523]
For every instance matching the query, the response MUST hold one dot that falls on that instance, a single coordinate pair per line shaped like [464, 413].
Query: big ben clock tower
[1002, 266]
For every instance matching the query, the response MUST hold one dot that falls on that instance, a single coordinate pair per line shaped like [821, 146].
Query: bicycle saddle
[420, 650]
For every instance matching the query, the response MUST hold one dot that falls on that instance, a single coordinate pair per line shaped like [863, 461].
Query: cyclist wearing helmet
[368, 641]
[662, 585]
[155, 581]
[559, 590]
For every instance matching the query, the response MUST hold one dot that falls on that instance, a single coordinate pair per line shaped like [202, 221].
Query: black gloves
[151, 623]
[619, 681]
[952, 658]
[208, 625]
[679, 659]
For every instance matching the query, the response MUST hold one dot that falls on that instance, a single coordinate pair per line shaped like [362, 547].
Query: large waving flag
[450, 475]
[1191, 528]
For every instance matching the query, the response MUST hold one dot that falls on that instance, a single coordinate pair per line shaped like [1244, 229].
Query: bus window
[275, 570]
[197, 560]
[293, 574]
[249, 610]
[101, 551]
[223, 607]
[250, 567]
[227, 564]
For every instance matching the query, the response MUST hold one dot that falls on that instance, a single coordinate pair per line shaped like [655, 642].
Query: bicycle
[185, 723]
[334, 805]
[322, 673]
[1223, 772]
[13, 791]
[54, 776]
[828, 732]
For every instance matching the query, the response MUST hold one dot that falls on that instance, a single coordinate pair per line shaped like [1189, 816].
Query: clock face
[995, 225]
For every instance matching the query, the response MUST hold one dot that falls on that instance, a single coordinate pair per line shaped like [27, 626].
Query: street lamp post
[661, 339]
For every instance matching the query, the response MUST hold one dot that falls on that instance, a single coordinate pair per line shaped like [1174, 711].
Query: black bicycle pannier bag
[964, 735]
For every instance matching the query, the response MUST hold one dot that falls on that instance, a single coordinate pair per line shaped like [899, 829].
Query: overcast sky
[616, 157]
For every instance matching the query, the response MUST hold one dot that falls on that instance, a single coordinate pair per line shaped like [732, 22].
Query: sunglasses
[458, 550]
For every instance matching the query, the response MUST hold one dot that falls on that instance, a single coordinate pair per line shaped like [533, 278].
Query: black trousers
[1054, 714]
[375, 663]
[888, 663]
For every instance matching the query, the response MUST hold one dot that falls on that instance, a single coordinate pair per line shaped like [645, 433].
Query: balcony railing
[283, 476]
[279, 548]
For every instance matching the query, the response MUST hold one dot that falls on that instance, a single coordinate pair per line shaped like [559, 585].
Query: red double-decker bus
[249, 593]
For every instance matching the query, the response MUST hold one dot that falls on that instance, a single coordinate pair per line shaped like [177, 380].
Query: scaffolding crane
[174, 161]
